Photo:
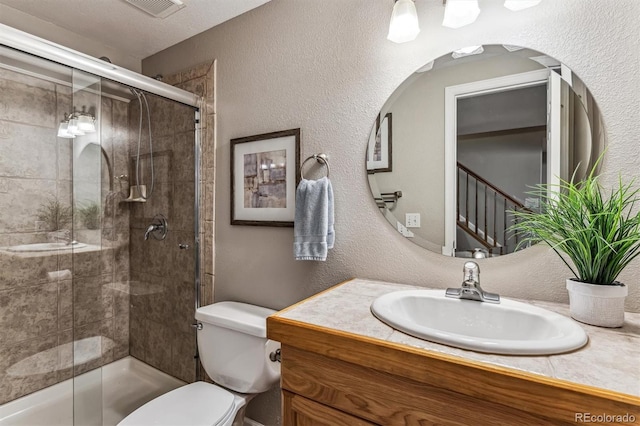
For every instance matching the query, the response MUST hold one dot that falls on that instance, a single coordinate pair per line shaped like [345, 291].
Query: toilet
[234, 351]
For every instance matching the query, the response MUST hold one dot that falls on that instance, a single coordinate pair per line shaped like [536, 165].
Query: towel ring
[320, 158]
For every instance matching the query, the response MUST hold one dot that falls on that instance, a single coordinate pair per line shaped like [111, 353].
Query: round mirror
[462, 141]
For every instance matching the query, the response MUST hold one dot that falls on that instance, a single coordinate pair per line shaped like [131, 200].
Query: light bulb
[86, 123]
[73, 129]
[63, 131]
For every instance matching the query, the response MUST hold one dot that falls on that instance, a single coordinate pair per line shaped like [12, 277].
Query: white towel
[313, 232]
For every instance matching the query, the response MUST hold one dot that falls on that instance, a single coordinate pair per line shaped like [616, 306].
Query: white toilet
[234, 351]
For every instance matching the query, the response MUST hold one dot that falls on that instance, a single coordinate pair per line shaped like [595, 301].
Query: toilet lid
[196, 404]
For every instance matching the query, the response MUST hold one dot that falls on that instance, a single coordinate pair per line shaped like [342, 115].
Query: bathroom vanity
[342, 366]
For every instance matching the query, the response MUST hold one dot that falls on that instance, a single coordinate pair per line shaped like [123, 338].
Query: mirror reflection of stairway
[483, 217]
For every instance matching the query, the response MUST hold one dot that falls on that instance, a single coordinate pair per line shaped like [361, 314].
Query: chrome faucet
[62, 235]
[470, 288]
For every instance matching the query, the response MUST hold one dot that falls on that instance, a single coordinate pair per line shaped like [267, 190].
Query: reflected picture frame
[265, 171]
[379, 152]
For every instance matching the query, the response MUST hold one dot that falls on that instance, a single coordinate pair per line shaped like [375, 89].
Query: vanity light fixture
[404, 22]
[76, 123]
[458, 13]
[516, 5]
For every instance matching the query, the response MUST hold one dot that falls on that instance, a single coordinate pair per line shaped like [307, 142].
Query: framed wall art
[379, 150]
[265, 170]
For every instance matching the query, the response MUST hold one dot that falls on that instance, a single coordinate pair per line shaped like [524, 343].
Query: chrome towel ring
[320, 158]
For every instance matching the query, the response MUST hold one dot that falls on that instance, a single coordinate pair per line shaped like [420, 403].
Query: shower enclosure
[80, 285]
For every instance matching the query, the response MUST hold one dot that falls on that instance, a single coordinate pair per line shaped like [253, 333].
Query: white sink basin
[511, 327]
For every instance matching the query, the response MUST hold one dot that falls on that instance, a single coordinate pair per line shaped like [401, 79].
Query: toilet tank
[233, 346]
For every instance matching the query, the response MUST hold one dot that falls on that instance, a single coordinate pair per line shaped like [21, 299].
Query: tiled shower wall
[49, 299]
[162, 274]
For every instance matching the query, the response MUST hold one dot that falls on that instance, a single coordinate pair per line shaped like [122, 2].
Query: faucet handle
[470, 288]
[159, 228]
[151, 228]
[471, 271]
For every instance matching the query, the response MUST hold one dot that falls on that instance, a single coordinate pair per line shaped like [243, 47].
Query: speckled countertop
[610, 360]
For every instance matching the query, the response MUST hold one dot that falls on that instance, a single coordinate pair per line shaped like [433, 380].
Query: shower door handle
[184, 246]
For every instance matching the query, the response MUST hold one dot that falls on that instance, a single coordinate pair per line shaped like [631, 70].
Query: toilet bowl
[196, 404]
[234, 352]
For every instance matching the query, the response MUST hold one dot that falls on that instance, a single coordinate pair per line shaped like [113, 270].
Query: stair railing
[484, 212]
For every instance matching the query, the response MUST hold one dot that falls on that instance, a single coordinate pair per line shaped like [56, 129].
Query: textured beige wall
[326, 67]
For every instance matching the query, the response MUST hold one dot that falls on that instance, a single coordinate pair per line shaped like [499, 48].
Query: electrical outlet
[412, 220]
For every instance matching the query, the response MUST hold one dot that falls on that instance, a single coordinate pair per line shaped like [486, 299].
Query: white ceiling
[117, 24]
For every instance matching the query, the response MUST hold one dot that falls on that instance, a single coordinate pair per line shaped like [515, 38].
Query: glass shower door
[91, 298]
[36, 263]
[80, 287]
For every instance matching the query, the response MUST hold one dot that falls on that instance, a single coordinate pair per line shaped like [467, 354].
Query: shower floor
[126, 385]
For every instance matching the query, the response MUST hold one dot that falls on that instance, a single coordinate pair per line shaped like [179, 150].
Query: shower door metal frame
[46, 49]
[196, 231]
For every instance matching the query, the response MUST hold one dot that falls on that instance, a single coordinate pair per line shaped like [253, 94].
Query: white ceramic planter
[600, 305]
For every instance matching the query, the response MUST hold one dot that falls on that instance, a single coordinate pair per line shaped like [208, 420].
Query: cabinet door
[300, 411]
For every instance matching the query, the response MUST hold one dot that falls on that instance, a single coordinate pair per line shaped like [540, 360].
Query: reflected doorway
[496, 149]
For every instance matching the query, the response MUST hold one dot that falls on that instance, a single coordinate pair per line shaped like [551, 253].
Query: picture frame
[379, 152]
[265, 171]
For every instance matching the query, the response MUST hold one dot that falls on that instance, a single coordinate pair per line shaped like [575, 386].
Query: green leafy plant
[54, 214]
[598, 232]
[90, 215]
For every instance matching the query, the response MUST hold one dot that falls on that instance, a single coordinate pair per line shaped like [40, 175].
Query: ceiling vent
[158, 8]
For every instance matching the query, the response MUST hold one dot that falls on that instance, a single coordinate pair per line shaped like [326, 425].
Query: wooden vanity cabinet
[300, 411]
[335, 378]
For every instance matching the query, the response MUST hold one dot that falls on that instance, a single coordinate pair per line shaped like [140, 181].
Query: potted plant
[55, 218]
[89, 214]
[598, 231]
[54, 215]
